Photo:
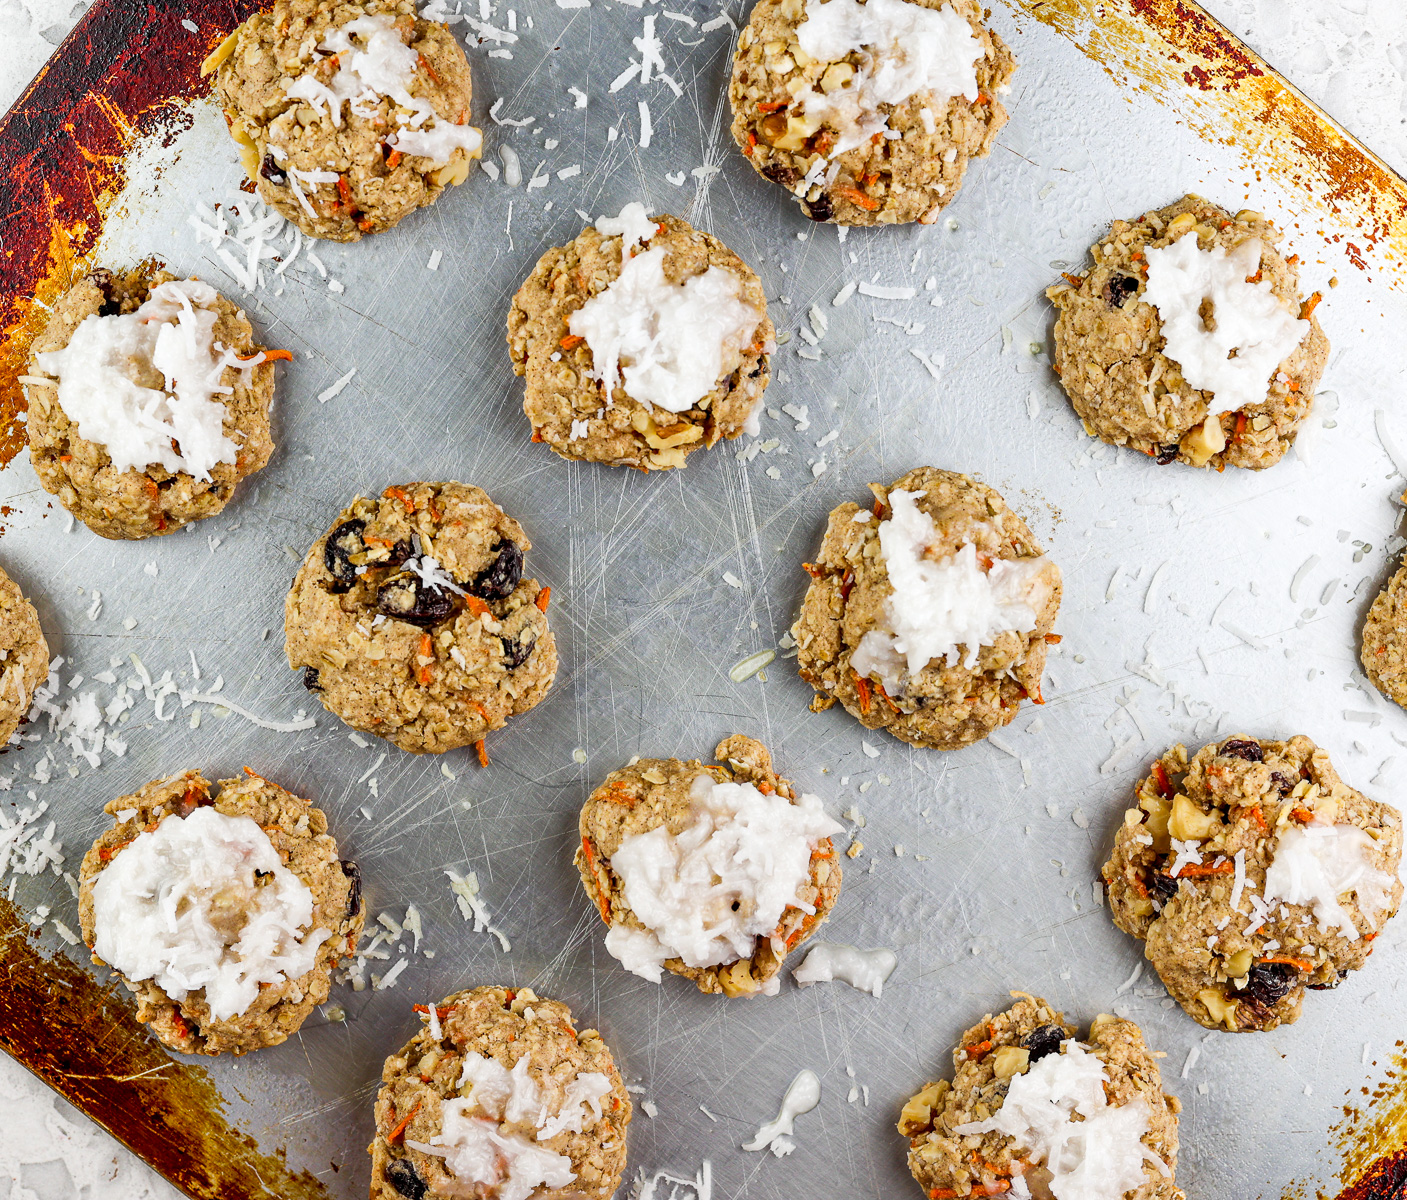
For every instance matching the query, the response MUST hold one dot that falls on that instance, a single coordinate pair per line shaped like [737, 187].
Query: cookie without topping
[135, 504]
[941, 707]
[654, 793]
[506, 1026]
[1384, 650]
[411, 618]
[373, 185]
[566, 403]
[298, 832]
[1242, 797]
[1110, 347]
[883, 181]
[988, 1057]
[24, 656]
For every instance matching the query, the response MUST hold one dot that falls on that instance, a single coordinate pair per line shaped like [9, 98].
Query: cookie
[1385, 639]
[1188, 338]
[264, 909]
[1253, 872]
[24, 656]
[868, 114]
[929, 616]
[348, 116]
[499, 1095]
[159, 405]
[992, 1130]
[671, 855]
[640, 342]
[411, 619]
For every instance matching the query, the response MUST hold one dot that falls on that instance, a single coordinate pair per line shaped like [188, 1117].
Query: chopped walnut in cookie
[1253, 872]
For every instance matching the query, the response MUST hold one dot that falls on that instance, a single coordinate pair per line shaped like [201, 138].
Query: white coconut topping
[1316, 864]
[865, 970]
[477, 1150]
[633, 227]
[706, 895]
[940, 605]
[373, 63]
[664, 342]
[801, 1097]
[1253, 333]
[905, 48]
[205, 902]
[100, 369]
[1098, 1158]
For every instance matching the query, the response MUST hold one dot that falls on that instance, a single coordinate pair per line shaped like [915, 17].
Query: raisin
[401, 552]
[1162, 885]
[1167, 454]
[406, 597]
[312, 679]
[337, 551]
[1250, 751]
[500, 577]
[400, 1174]
[1043, 1041]
[1283, 785]
[779, 173]
[1267, 984]
[271, 171]
[109, 308]
[354, 891]
[515, 653]
[819, 209]
[1118, 290]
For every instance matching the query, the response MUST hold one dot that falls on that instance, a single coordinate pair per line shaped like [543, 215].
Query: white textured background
[1350, 56]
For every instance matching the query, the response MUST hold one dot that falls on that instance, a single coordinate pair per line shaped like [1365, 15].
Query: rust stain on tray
[1176, 52]
[92, 1051]
[125, 71]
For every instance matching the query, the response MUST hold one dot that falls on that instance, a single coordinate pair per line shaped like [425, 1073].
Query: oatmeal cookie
[821, 127]
[499, 1094]
[849, 617]
[661, 794]
[1111, 347]
[411, 619]
[1214, 869]
[242, 819]
[24, 656]
[140, 503]
[566, 401]
[989, 1059]
[1384, 650]
[348, 116]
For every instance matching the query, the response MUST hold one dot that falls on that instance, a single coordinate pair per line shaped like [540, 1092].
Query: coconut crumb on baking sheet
[337, 388]
[472, 906]
[700, 1187]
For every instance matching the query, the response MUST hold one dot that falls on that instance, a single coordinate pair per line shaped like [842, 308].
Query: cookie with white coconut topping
[995, 1127]
[499, 1096]
[640, 342]
[929, 615]
[158, 405]
[411, 618]
[263, 909]
[712, 872]
[1253, 872]
[868, 113]
[24, 656]
[348, 116]
[1188, 338]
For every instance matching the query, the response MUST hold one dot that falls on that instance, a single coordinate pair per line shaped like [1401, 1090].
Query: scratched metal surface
[648, 628]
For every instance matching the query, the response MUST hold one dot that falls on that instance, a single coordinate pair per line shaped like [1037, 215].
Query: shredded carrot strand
[476, 606]
[1310, 305]
[862, 685]
[571, 341]
[1201, 870]
[427, 650]
[396, 493]
[543, 598]
[396, 1134]
[483, 752]
[855, 195]
[1300, 964]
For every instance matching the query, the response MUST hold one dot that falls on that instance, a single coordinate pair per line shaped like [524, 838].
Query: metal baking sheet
[1178, 621]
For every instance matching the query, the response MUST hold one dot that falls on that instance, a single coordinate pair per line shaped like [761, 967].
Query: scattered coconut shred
[1098, 1158]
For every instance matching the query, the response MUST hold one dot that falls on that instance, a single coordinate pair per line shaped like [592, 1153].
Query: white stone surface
[1350, 56]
